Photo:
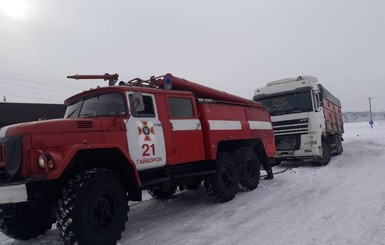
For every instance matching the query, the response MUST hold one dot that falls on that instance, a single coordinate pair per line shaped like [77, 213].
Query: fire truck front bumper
[13, 193]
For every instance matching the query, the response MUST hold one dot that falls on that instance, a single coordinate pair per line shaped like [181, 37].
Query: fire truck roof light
[167, 82]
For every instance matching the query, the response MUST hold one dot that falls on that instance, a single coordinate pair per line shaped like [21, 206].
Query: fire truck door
[145, 135]
[186, 129]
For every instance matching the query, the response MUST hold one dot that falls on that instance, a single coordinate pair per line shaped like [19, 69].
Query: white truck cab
[306, 118]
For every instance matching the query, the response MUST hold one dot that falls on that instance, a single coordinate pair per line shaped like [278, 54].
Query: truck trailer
[306, 117]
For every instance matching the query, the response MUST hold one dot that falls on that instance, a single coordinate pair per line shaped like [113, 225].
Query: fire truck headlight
[42, 160]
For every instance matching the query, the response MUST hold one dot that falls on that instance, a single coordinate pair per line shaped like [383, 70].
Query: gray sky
[232, 45]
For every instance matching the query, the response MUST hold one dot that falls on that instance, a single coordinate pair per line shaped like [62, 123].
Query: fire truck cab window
[148, 111]
[111, 104]
[180, 108]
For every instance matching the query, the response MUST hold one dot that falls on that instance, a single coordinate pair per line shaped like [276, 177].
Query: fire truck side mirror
[136, 102]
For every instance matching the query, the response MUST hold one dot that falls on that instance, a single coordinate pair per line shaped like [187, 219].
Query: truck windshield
[288, 103]
[111, 104]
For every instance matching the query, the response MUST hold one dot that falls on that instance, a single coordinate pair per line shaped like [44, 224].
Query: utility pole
[370, 111]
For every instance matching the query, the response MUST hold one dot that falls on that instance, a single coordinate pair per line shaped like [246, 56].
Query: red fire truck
[114, 142]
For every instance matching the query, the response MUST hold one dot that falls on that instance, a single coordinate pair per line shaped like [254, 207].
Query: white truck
[306, 117]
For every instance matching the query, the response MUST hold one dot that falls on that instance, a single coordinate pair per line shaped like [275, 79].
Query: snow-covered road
[341, 203]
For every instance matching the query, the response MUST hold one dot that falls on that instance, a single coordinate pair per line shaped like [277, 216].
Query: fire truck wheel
[223, 185]
[326, 154]
[25, 221]
[93, 208]
[248, 168]
[161, 193]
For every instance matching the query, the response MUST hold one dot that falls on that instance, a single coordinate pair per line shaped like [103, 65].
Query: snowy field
[341, 203]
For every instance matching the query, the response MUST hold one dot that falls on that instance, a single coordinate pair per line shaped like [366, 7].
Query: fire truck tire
[93, 208]
[162, 194]
[224, 184]
[326, 154]
[29, 220]
[248, 168]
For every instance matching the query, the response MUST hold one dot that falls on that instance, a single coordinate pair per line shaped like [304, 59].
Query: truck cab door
[186, 129]
[145, 136]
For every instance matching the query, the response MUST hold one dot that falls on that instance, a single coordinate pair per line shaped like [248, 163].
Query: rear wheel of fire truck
[25, 221]
[223, 185]
[162, 193]
[93, 208]
[326, 154]
[248, 168]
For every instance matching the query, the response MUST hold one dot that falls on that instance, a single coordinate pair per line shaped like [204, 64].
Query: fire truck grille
[291, 127]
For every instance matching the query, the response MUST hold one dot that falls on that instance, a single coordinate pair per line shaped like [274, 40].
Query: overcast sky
[235, 46]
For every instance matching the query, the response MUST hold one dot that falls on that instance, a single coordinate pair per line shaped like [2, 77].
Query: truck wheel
[28, 221]
[248, 168]
[223, 185]
[326, 154]
[161, 193]
[93, 208]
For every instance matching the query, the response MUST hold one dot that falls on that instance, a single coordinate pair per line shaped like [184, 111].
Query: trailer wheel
[162, 193]
[223, 185]
[93, 208]
[26, 220]
[248, 168]
[326, 154]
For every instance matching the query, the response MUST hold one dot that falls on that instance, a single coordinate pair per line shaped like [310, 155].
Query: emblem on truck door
[145, 130]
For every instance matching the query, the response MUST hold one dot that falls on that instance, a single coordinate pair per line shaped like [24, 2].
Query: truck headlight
[42, 160]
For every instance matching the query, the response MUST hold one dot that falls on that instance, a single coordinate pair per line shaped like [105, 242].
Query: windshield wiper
[69, 115]
[87, 115]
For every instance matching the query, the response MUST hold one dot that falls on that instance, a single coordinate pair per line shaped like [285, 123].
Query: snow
[341, 203]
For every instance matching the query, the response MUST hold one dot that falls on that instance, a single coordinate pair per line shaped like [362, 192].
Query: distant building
[11, 113]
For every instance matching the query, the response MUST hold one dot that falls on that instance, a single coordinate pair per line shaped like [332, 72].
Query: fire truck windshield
[111, 104]
[288, 103]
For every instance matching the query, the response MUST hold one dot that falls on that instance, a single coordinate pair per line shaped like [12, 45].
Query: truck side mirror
[136, 102]
[317, 101]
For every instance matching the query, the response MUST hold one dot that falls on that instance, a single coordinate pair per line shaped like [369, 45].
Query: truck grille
[288, 143]
[291, 127]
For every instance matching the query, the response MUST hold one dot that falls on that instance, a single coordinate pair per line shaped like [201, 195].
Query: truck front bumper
[13, 193]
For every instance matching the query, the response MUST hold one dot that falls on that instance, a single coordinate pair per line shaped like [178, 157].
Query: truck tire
[29, 220]
[248, 168]
[224, 184]
[326, 154]
[161, 193]
[93, 208]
